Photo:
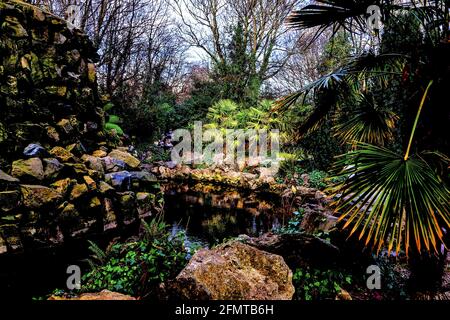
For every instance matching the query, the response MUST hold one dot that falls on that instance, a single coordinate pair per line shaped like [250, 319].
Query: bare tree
[208, 25]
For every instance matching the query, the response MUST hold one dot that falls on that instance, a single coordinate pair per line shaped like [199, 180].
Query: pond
[207, 214]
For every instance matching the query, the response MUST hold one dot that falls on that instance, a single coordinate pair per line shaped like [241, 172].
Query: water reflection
[210, 214]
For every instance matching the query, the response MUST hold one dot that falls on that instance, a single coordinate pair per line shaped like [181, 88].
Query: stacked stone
[53, 195]
[48, 90]
[59, 178]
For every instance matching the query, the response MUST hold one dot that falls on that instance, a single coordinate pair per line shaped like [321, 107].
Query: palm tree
[389, 199]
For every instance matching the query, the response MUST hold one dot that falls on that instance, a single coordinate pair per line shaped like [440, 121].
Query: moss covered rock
[35, 196]
[131, 161]
[234, 271]
[28, 170]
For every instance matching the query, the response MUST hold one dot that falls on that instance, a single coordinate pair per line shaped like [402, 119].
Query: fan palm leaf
[392, 199]
[335, 14]
[368, 123]
[336, 86]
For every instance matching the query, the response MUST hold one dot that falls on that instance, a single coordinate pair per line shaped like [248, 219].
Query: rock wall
[59, 177]
[48, 90]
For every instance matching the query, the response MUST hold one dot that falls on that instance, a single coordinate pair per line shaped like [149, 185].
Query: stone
[298, 249]
[131, 161]
[145, 203]
[78, 191]
[143, 177]
[95, 203]
[35, 197]
[343, 295]
[91, 127]
[12, 236]
[100, 153]
[62, 186]
[92, 185]
[9, 200]
[76, 149]
[317, 220]
[35, 151]
[13, 28]
[31, 169]
[62, 154]
[65, 126]
[52, 168]
[113, 165]
[110, 218]
[105, 295]
[105, 189]
[93, 163]
[69, 217]
[77, 169]
[127, 201]
[234, 271]
[3, 247]
[119, 180]
[91, 72]
[7, 179]
[52, 134]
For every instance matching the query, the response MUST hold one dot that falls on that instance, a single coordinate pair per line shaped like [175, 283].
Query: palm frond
[356, 72]
[367, 123]
[336, 14]
[391, 199]
[391, 202]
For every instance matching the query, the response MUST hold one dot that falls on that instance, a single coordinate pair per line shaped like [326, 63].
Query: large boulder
[298, 249]
[234, 271]
[105, 295]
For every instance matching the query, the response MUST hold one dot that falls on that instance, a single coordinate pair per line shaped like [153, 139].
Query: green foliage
[227, 114]
[156, 154]
[293, 225]
[150, 115]
[111, 127]
[137, 268]
[317, 179]
[113, 121]
[236, 74]
[222, 115]
[394, 282]
[314, 284]
[336, 52]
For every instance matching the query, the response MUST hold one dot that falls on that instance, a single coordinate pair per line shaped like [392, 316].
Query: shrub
[112, 121]
[137, 268]
[314, 284]
[317, 179]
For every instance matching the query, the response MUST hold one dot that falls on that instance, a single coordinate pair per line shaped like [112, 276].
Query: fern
[98, 253]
